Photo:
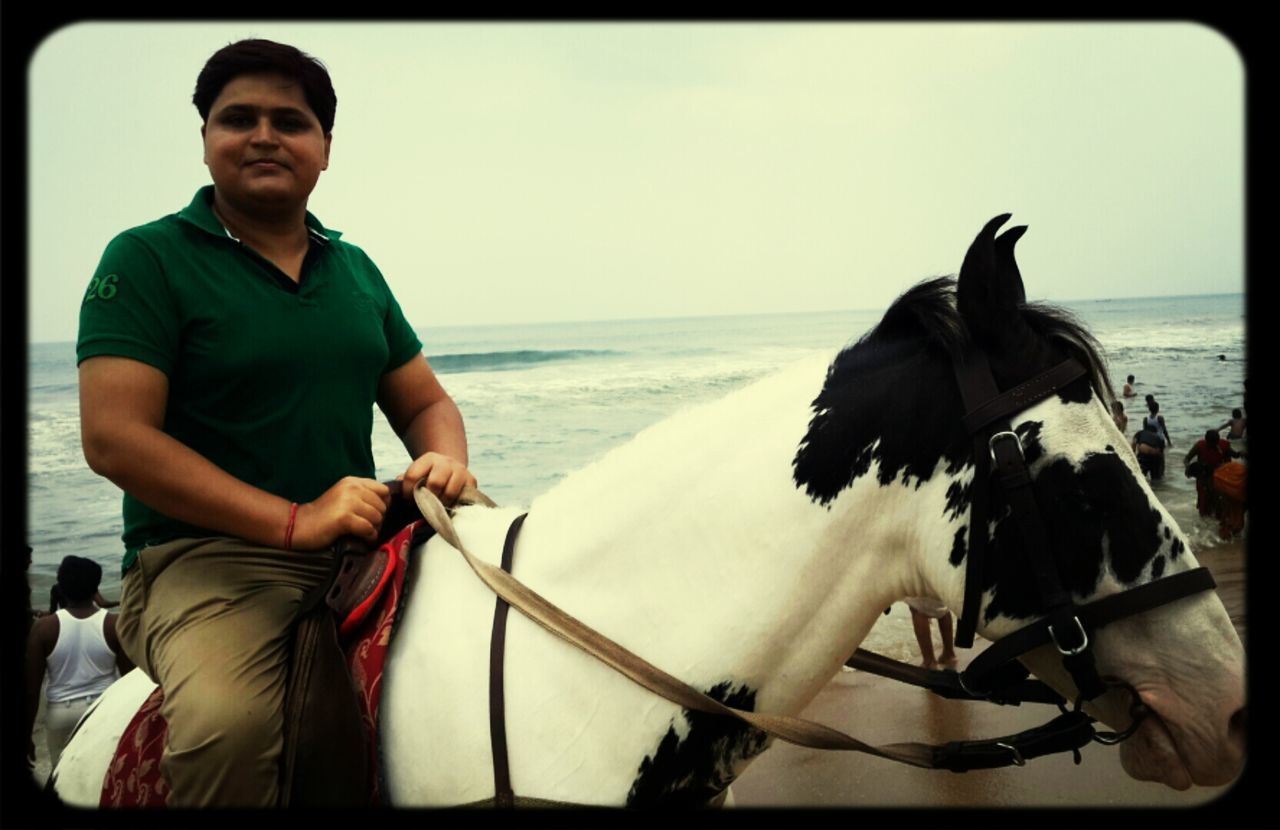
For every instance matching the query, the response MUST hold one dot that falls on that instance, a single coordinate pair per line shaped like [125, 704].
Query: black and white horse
[747, 546]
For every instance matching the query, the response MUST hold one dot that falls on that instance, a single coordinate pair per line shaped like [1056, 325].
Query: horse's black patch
[1175, 549]
[1079, 507]
[869, 406]
[1157, 567]
[959, 546]
[692, 771]
[958, 499]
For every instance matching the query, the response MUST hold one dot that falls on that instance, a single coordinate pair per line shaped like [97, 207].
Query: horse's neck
[691, 546]
[696, 534]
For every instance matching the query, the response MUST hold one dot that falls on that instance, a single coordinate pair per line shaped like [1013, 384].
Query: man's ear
[328, 142]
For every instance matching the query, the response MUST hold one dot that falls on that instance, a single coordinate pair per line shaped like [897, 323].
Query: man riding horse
[229, 357]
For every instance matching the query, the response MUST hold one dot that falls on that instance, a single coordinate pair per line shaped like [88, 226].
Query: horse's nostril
[1237, 725]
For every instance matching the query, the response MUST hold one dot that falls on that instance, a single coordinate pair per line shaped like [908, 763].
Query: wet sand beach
[879, 710]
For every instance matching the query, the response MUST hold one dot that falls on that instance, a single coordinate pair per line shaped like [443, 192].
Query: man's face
[262, 143]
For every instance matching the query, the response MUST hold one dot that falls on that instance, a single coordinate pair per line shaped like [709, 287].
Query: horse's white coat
[692, 546]
[83, 763]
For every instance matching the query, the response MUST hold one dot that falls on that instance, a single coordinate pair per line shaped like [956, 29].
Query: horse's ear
[1007, 268]
[989, 290]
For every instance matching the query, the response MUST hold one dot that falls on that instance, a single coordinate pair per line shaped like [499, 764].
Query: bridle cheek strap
[999, 460]
[994, 442]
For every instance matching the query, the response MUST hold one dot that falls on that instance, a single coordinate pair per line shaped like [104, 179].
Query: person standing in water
[1207, 455]
[1235, 427]
[1149, 446]
[1121, 419]
[1154, 421]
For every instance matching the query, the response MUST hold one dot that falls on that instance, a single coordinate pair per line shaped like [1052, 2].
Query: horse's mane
[1058, 325]
[891, 396]
[928, 312]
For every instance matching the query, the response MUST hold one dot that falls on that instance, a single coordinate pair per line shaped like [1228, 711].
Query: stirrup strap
[503, 795]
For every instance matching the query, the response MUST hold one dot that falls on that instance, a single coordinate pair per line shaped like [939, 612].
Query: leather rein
[994, 675]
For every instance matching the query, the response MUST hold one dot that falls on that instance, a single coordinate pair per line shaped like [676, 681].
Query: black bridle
[999, 462]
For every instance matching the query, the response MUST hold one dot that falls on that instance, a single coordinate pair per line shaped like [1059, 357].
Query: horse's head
[891, 409]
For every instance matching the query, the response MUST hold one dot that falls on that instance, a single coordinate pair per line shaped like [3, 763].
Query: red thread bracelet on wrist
[288, 532]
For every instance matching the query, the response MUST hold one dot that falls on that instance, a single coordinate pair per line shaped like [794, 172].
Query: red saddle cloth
[133, 778]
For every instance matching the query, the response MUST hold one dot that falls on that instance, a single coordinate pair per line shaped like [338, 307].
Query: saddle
[331, 697]
[326, 760]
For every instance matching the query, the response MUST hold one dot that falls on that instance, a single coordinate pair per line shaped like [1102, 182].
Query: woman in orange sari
[1229, 485]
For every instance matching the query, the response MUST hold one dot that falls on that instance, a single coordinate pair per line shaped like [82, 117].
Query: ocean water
[541, 401]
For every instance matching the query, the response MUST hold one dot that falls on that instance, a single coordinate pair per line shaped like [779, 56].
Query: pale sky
[536, 172]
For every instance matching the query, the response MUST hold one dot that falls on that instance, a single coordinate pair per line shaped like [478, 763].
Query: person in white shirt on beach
[78, 650]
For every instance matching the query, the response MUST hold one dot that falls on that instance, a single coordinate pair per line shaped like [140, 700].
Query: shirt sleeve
[402, 342]
[128, 309]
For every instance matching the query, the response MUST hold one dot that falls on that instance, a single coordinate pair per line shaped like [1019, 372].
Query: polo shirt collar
[200, 213]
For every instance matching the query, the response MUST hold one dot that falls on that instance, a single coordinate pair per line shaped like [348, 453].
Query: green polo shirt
[271, 380]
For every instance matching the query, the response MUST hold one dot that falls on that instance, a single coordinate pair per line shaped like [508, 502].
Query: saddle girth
[503, 796]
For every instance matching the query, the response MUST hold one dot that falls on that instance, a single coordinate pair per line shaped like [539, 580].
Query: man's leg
[215, 633]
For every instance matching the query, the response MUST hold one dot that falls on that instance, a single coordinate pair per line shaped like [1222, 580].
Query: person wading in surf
[229, 357]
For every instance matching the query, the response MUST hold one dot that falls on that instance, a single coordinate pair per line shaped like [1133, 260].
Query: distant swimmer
[1128, 387]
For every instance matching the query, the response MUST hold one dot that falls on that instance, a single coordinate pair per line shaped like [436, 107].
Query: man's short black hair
[258, 56]
[78, 578]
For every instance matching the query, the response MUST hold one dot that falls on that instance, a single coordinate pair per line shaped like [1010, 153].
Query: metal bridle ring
[1018, 760]
[1017, 440]
[1084, 639]
[1138, 711]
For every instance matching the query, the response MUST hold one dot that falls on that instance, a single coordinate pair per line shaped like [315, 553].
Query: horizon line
[657, 318]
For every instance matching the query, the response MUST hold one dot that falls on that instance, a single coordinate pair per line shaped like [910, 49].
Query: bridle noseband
[999, 461]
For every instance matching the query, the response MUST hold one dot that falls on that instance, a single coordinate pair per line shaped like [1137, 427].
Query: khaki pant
[209, 620]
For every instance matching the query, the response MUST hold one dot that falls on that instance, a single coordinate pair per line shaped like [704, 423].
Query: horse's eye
[1075, 501]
